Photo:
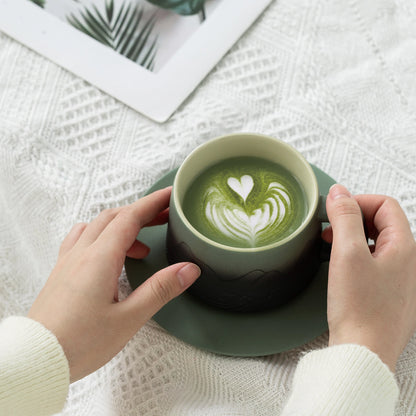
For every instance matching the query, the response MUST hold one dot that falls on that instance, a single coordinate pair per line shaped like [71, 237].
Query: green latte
[245, 202]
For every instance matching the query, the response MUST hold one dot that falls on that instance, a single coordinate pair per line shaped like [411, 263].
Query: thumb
[160, 288]
[345, 217]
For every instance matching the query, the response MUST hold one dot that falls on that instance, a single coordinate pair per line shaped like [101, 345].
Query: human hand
[79, 301]
[371, 292]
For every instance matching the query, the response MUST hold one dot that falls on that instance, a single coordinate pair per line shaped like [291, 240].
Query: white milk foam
[233, 220]
[242, 187]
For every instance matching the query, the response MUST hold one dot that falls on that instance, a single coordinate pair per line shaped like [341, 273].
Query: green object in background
[182, 7]
[123, 30]
[40, 3]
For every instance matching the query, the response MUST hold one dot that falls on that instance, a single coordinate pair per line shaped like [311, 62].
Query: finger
[138, 250]
[158, 290]
[151, 206]
[122, 231]
[161, 219]
[370, 205]
[388, 220]
[97, 225]
[383, 212]
[71, 238]
[327, 234]
[345, 217]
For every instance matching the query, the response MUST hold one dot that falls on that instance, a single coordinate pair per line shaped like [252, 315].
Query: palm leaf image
[183, 7]
[40, 3]
[125, 30]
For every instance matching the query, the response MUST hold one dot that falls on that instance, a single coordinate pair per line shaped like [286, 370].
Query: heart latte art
[245, 202]
[240, 222]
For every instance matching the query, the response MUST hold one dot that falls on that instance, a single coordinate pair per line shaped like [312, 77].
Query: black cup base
[255, 291]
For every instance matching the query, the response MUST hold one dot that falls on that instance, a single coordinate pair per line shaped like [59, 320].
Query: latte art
[242, 187]
[245, 202]
[241, 223]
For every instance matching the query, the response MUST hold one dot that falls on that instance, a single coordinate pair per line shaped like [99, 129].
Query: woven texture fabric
[34, 366]
[342, 380]
[335, 79]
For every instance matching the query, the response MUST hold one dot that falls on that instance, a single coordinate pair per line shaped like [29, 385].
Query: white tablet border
[156, 95]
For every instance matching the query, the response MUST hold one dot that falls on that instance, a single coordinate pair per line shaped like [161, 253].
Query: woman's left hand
[79, 301]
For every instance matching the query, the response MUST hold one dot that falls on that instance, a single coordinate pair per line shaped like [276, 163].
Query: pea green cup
[254, 278]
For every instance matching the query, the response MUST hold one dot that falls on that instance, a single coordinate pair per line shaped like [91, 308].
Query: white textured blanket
[336, 79]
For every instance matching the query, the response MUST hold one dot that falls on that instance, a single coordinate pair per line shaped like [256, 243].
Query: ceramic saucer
[230, 333]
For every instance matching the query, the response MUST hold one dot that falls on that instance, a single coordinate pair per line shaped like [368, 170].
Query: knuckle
[107, 214]
[392, 201]
[347, 207]
[89, 256]
[352, 253]
[62, 249]
[353, 250]
[79, 225]
[391, 205]
[127, 218]
[126, 211]
[162, 291]
[130, 216]
[77, 229]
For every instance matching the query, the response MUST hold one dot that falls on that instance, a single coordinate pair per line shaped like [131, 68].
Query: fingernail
[188, 274]
[339, 191]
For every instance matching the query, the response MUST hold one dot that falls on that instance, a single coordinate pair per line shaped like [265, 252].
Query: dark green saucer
[236, 334]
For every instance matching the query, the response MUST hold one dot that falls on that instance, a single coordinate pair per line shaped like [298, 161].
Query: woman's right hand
[371, 292]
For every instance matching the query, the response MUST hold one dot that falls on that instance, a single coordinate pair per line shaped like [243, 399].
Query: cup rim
[311, 211]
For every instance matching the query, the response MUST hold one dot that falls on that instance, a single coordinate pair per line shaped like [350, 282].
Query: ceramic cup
[254, 278]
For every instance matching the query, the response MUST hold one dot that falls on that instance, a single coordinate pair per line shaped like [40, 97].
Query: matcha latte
[245, 202]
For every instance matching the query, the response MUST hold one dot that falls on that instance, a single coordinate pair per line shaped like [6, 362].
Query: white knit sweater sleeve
[34, 372]
[342, 380]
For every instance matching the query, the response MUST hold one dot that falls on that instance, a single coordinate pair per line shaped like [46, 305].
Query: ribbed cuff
[34, 372]
[342, 380]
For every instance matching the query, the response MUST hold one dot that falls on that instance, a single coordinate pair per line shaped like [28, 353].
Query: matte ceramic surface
[247, 279]
[236, 334]
[235, 145]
